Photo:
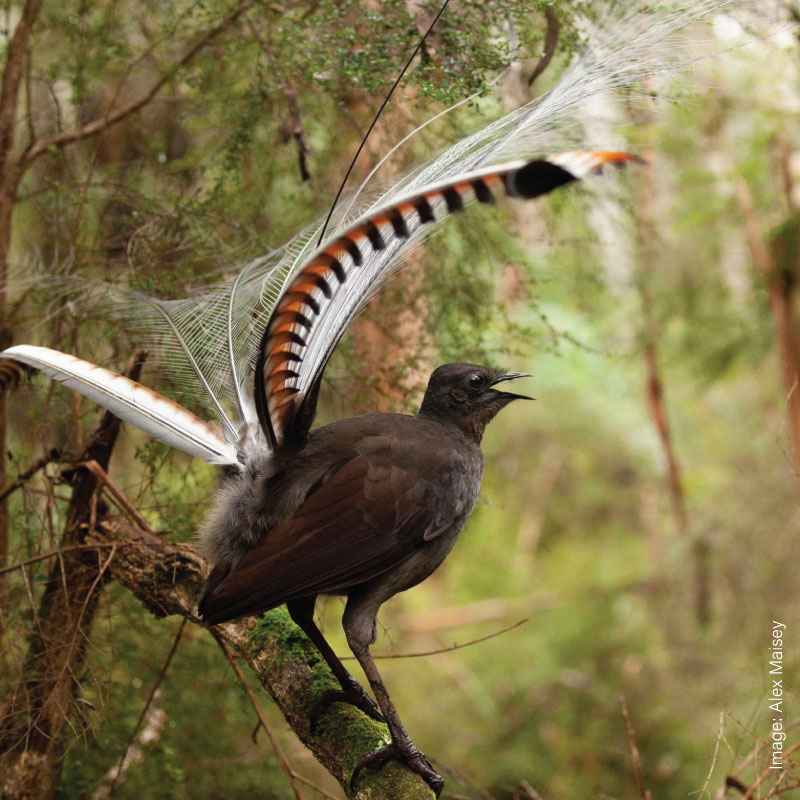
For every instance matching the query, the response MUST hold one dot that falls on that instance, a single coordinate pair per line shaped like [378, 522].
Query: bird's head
[465, 394]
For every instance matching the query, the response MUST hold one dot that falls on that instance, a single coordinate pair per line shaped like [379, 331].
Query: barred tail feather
[11, 373]
[326, 293]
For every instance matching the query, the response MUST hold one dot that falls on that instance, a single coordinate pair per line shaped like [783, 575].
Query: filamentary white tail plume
[625, 43]
[285, 312]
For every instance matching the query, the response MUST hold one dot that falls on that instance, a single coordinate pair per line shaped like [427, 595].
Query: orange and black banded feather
[280, 392]
[11, 373]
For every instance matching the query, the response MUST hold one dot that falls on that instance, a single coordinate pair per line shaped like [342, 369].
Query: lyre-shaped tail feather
[156, 415]
[213, 338]
[325, 294]
[11, 373]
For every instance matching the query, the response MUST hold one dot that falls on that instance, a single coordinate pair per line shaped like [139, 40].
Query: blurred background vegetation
[648, 562]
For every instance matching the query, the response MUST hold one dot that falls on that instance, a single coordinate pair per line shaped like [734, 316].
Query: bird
[368, 506]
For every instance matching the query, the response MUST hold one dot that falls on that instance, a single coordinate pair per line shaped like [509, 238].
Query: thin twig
[96, 126]
[530, 791]
[276, 745]
[110, 106]
[28, 589]
[34, 559]
[633, 751]
[720, 737]
[27, 473]
[753, 788]
[776, 789]
[447, 649]
[759, 746]
[293, 124]
[314, 786]
[164, 668]
[104, 478]
[72, 644]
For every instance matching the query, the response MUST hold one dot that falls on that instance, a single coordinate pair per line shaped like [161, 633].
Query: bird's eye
[475, 381]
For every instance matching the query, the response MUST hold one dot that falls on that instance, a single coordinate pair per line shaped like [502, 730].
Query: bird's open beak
[509, 376]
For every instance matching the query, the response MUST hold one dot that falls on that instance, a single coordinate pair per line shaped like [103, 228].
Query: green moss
[356, 733]
[373, 784]
[275, 630]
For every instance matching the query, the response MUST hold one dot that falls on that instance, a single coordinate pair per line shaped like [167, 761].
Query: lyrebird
[364, 507]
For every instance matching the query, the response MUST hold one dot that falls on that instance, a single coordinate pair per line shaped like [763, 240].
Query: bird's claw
[403, 752]
[354, 695]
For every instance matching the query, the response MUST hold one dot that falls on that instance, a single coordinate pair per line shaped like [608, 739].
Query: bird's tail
[215, 339]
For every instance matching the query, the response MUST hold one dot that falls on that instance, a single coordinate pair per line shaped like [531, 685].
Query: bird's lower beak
[510, 376]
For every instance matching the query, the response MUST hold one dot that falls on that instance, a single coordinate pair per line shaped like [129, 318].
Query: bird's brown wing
[369, 515]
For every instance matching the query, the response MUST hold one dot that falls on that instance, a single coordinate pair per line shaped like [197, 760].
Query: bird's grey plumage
[416, 494]
[367, 507]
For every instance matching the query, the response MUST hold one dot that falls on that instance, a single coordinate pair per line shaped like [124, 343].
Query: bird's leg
[360, 627]
[302, 612]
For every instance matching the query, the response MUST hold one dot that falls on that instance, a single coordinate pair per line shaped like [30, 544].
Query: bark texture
[10, 175]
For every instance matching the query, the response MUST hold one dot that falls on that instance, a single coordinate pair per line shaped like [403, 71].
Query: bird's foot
[403, 751]
[354, 694]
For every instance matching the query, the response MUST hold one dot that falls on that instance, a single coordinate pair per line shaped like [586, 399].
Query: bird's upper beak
[509, 376]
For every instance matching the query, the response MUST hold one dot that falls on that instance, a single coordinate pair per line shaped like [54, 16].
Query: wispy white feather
[222, 327]
[208, 342]
[163, 419]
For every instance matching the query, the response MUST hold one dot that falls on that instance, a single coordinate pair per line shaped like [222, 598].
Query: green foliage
[203, 747]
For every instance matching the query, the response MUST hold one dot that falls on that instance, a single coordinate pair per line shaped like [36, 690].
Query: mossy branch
[166, 579]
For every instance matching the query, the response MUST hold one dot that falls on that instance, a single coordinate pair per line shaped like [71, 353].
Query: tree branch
[656, 396]
[633, 751]
[27, 473]
[166, 579]
[12, 75]
[779, 268]
[550, 44]
[63, 138]
[114, 775]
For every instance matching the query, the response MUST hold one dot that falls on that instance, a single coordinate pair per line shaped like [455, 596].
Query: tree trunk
[33, 718]
[9, 182]
[10, 174]
[656, 401]
[778, 264]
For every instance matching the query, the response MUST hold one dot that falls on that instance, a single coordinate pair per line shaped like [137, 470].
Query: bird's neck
[469, 427]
